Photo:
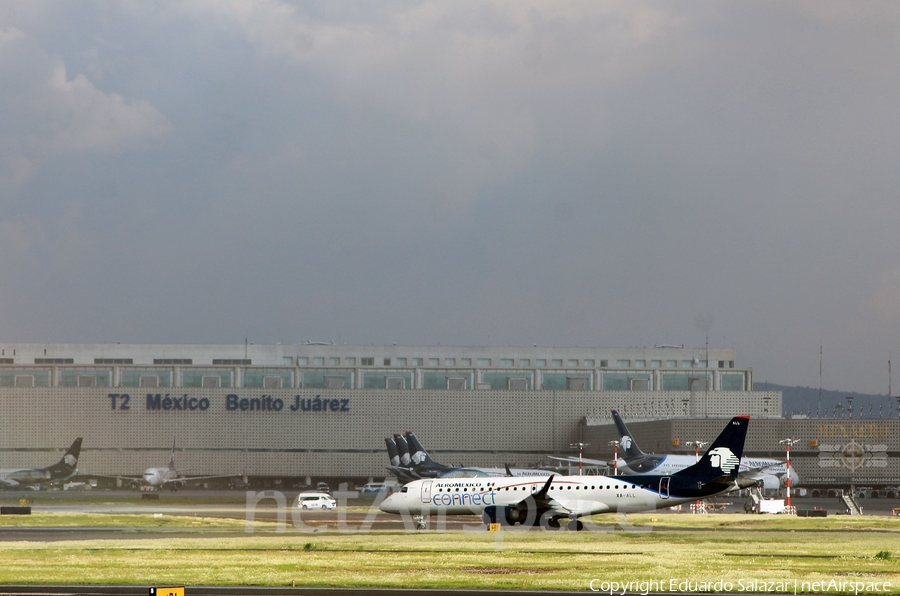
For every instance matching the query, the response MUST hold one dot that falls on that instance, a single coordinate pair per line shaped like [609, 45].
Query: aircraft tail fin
[417, 453]
[723, 457]
[402, 450]
[630, 450]
[68, 465]
[393, 454]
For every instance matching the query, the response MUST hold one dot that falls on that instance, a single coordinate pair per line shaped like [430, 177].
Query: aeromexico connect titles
[542, 501]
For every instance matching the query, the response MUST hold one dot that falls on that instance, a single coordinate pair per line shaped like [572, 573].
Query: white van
[315, 501]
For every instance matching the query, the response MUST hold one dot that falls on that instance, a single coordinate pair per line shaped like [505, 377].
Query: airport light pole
[615, 446]
[697, 445]
[580, 447]
[787, 449]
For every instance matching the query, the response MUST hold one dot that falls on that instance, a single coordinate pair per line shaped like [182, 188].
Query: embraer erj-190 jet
[770, 472]
[58, 472]
[533, 501]
[410, 461]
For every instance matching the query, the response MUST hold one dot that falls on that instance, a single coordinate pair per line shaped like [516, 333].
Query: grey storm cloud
[572, 173]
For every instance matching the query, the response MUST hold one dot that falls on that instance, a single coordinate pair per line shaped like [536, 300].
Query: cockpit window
[403, 490]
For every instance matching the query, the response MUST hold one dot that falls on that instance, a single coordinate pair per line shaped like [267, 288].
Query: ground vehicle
[312, 500]
[374, 488]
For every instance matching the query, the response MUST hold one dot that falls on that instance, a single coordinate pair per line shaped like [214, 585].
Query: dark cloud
[582, 173]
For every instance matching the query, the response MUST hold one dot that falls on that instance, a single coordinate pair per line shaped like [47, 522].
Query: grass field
[693, 551]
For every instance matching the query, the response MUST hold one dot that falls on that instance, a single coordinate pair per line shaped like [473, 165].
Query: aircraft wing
[186, 478]
[584, 460]
[6, 483]
[562, 505]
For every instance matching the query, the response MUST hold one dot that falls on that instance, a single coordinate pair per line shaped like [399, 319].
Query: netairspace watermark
[742, 585]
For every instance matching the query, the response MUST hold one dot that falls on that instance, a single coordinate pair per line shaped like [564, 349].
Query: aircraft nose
[391, 504]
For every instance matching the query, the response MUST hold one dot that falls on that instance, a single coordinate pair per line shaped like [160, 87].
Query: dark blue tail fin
[416, 452]
[393, 455]
[723, 457]
[630, 450]
[402, 450]
[68, 465]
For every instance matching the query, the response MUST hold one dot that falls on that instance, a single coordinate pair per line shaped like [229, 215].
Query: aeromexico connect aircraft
[533, 501]
[410, 461]
[770, 472]
[58, 472]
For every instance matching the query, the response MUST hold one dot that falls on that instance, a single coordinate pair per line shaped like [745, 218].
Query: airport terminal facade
[311, 411]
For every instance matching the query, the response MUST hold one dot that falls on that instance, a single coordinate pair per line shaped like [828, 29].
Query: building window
[557, 362]
[148, 380]
[604, 364]
[506, 362]
[572, 364]
[524, 362]
[457, 383]
[319, 361]
[656, 364]
[367, 361]
[112, 361]
[302, 361]
[589, 363]
[210, 381]
[466, 362]
[577, 383]
[173, 361]
[517, 383]
[418, 361]
[351, 360]
[434, 362]
[387, 361]
[541, 362]
[394, 383]
[484, 362]
[639, 384]
[333, 361]
[24, 380]
[671, 364]
[449, 361]
[623, 363]
[272, 382]
[333, 382]
[401, 361]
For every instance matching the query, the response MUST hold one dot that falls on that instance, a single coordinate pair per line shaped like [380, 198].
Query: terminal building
[302, 412]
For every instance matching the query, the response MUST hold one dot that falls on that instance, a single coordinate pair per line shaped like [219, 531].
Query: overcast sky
[571, 173]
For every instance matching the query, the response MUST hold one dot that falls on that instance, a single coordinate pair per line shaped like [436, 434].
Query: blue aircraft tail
[393, 454]
[723, 458]
[630, 450]
[403, 450]
[69, 462]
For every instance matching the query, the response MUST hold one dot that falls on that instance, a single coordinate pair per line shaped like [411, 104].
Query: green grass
[645, 547]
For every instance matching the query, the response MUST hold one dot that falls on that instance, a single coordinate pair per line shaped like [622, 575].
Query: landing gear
[575, 525]
[421, 522]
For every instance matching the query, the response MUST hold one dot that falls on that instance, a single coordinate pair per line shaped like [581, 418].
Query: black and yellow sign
[171, 591]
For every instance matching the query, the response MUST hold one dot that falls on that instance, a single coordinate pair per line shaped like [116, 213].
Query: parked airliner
[166, 477]
[410, 461]
[771, 473]
[58, 472]
[533, 501]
